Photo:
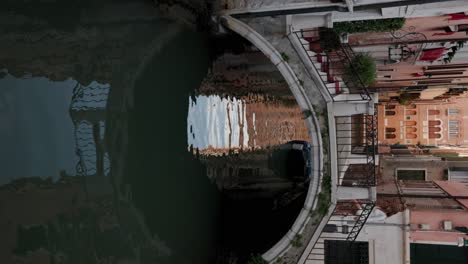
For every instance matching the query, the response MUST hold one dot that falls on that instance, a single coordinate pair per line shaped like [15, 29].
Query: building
[420, 167]
[418, 217]
[427, 58]
[430, 227]
[427, 124]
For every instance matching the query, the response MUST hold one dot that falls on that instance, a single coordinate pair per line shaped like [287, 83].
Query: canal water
[113, 143]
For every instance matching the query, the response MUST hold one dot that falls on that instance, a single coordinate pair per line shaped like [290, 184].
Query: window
[453, 128]
[430, 254]
[434, 122]
[408, 117]
[384, 76]
[344, 252]
[453, 111]
[433, 112]
[415, 175]
[390, 113]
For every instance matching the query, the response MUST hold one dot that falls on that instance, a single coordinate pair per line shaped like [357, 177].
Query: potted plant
[315, 45]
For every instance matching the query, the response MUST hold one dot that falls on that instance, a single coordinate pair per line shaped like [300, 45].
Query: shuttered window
[453, 112]
[454, 126]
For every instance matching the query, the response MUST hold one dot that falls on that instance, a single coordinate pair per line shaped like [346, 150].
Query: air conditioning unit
[424, 226]
[447, 225]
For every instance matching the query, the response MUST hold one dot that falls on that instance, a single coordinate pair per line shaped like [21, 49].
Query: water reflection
[217, 124]
[37, 134]
[88, 112]
[246, 127]
[57, 118]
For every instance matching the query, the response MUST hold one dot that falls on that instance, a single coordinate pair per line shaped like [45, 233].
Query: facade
[394, 168]
[441, 124]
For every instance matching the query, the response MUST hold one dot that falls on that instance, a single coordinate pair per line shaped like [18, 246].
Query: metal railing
[361, 220]
[334, 63]
[356, 137]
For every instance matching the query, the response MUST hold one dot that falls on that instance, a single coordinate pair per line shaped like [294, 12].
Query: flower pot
[315, 46]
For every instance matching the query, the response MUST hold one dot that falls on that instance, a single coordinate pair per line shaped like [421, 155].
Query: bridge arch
[312, 124]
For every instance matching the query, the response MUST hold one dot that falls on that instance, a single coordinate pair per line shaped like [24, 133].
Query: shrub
[296, 242]
[406, 98]
[284, 56]
[378, 25]
[360, 70]
[398, 146]
[324, 197]
[404, 101]
[279, 260]
[256, 259]
[306, 114]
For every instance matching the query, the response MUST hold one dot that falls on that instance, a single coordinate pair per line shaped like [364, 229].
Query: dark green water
[169, 184]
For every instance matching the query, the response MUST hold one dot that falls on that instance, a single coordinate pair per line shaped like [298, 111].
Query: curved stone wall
[312, 123]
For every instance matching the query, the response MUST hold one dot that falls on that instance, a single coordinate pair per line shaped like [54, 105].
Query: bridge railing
[334, 63]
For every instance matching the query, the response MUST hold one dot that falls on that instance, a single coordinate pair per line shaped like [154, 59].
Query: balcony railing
[356, 138]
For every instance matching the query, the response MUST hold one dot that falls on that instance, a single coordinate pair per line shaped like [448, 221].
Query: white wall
[386, 239]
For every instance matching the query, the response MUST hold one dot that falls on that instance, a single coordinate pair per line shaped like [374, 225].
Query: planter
[315, 46]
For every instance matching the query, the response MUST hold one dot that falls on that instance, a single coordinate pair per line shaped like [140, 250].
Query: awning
[417, 74]
[458, 16]
[443, 34]
[431, 54]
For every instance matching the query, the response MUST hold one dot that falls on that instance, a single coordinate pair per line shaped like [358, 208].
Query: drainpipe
[337, 8]
[406, 239]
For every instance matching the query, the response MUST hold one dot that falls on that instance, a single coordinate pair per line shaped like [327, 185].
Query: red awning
[457, 16]
[443, 34]
[431, 54]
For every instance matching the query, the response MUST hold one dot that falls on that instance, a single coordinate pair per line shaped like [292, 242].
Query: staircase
[321, 63]
[329, 67]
